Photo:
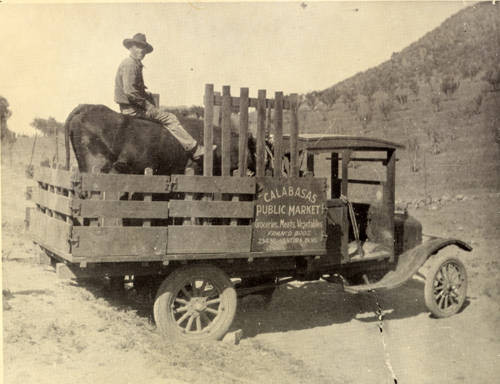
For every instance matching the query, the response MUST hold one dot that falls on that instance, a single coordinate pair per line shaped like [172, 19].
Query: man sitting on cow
[131, 95]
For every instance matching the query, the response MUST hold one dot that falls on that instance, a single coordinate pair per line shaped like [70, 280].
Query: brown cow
[115, 143]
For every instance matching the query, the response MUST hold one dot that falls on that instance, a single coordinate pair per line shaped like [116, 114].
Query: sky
[56, 56]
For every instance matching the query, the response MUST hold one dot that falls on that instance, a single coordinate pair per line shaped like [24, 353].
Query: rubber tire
[168, 290]
[432, 306]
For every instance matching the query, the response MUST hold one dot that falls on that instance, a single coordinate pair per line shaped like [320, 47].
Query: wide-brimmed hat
[140, 40]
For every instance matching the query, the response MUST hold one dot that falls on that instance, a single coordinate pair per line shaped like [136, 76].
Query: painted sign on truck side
[289, 214]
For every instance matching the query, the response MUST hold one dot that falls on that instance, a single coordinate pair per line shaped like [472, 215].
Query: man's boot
[199, 151]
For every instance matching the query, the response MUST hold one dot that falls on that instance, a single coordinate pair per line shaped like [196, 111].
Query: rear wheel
[195, 303]
[445, 286]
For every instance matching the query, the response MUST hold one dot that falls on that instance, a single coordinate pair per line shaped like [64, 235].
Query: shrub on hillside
[401, 95]
[363, 110]
[469, 69]
[370, 85]
[413, 151]
[435, 138]
[413, 86]
[449, 85]
[329, 97]
[8, 137]
[349, 96]
[5, 113]
[195, 112]
[493, 78]
[383, 103]
[436, 101]
[311, 99]
[48, 127]
[473, 106]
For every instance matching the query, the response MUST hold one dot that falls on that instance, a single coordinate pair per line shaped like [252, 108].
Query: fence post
[226, 130]
[294, 133]
[208, 130]
[147, 197]
[243, 138]
[261, 127]
[278, 133]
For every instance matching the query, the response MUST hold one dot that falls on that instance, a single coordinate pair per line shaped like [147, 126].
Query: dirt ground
[57, 331]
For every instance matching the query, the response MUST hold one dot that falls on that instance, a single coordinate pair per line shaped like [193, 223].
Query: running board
[408, 263]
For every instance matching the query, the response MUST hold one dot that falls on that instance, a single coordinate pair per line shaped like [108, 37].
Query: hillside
[439, 96]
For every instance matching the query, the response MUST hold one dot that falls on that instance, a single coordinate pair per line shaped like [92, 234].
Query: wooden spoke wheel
[195, 303]
[445, 286]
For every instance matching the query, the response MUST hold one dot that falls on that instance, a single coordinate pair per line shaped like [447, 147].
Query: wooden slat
[226, 131]
[243, 132]
[261, 127]
[214, 184]
[50, 232]
[111, 220]
[235, 199]
[122, 209]
[334, 176]
[252, 102]
[51, 176]
[208, 129]
[53, 201]
[217, 112]
[129, 183]
[294, 133]
[367, 182]
[208, 239]
[106, 242]
[310, 163]
[278, 133]
[244, 255]
[188, 197]
[370, 159]
[214, 209]
[148, 197]
[345, 164]
[389, 197]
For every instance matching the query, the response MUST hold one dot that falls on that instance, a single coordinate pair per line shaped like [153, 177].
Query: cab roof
[322, 142]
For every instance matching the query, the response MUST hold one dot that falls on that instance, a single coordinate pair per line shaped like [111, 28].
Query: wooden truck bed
[95, 218]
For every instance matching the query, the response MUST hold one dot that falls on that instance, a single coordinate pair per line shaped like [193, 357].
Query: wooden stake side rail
[91, 208]
[50, 231]
[121, 209]
[82, 217]
[54, 177]
[145, 243]
[269, 122]
[166, 184]
[116, 243]
[53, 201]
[211, 209]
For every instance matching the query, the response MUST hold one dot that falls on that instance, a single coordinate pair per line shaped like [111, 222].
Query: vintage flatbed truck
[322, 208]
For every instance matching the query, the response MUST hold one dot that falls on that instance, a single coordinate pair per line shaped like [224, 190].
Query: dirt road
[57, 331]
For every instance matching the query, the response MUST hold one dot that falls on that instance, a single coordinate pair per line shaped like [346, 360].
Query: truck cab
[362, 222]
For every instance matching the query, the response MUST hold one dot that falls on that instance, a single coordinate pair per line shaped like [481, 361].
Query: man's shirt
[129, 84]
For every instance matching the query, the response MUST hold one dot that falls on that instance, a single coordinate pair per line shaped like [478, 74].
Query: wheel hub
[197, 305]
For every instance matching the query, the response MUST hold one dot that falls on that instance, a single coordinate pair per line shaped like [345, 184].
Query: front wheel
[195, 303]
[445, 286]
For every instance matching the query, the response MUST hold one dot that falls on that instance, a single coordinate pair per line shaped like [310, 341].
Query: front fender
[408, 263]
